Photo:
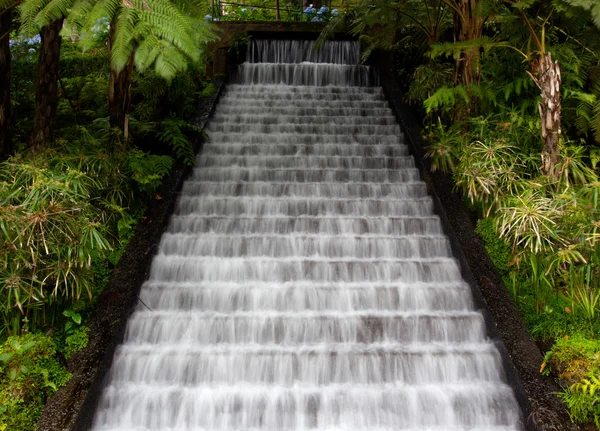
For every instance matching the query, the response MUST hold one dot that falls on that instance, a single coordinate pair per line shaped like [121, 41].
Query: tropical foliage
[70, 202]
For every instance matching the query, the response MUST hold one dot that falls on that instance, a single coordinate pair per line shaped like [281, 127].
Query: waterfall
[304, 281]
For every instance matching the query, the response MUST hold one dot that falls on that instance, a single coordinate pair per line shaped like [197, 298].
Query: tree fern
[446, 96]
[155, 32]
[593, 6]
[173, 136]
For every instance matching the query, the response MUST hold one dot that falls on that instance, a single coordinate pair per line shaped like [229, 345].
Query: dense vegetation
[509, 91]
[96, 100]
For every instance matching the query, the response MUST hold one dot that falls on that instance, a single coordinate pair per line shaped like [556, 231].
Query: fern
[445, 96]
[156, 33]
[517, 86]
[28, 11]
[593, 6]
[583, 400]
[173, 136]
[147, 171]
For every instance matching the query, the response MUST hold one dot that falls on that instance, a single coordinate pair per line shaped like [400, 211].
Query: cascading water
[304, 281]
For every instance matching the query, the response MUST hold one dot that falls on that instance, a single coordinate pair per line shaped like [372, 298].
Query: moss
[76, 341]
[575, 358]
[498, 249]
[29, 374]
[208, 91]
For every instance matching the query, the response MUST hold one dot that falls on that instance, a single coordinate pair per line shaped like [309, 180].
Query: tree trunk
[468, 25]
[119, 93]
[46, 89]
[5, 100]
[546, 75]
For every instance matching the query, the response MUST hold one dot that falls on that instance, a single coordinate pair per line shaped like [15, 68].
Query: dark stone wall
[72, 407]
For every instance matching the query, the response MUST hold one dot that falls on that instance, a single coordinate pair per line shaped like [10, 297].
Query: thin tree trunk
[119, 94]
[5, 100]
[277, 16]
[468, 25]
[546, 75]
[46, 89]
[119, 98]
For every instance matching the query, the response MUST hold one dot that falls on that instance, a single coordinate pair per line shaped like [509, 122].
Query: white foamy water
[304, 281]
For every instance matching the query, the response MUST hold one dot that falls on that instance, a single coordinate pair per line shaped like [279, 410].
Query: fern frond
[454, 49]
[122, 46]
[445, 96]
[55, 9]
[7, 4]
[173, 136]
[28, 11]
[592, 6]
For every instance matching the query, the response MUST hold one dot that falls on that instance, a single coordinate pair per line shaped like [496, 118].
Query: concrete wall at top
[230, 31]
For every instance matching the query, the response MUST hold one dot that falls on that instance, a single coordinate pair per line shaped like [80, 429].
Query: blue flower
[32, 50]
[320, 13]
[252, 9]
[334, 12]
[317, 19]
[323, 9]
[208, 17]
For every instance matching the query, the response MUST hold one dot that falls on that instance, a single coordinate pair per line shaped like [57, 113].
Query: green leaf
[5, 357]
[26, 346]
[76, 317]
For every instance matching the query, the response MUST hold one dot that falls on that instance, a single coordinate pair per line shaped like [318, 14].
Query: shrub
[577, 362]
[29, 374]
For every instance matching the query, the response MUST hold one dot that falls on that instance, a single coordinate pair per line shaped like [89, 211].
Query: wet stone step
[244, 406]
[282, 189]
[308, 327]
[259, 89]
[303, 138]
[296, 206]
[383, 120]
[313, 96]
[313, 74]
[296, 297]
[311, 112]
[292, 245]
[320, 365]
[333, 225]
[307, 162]
[312, 104]
[348, 129]
[249, 174]
[321, 150]
[346, 270]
